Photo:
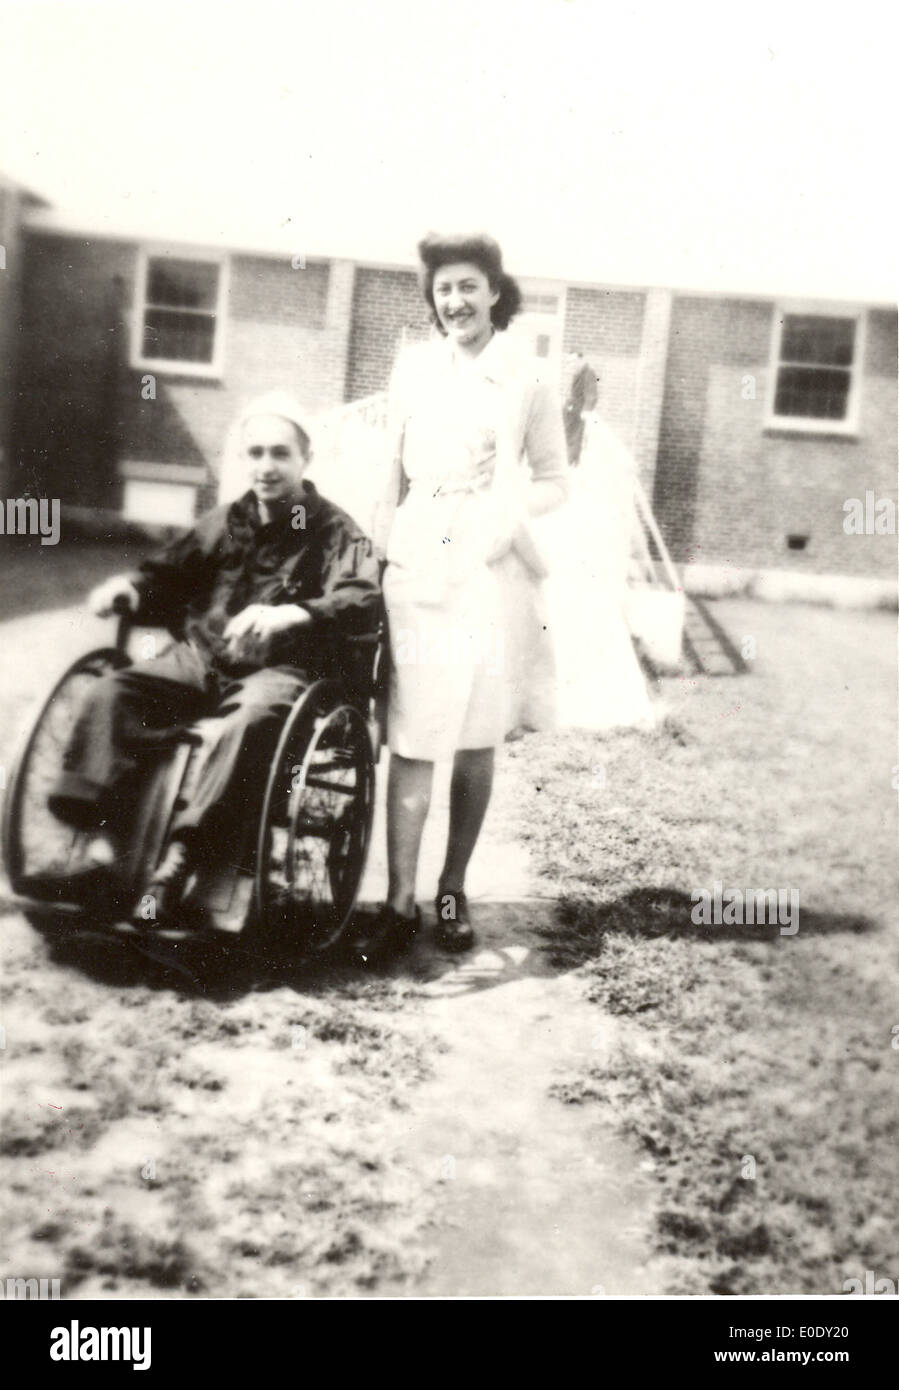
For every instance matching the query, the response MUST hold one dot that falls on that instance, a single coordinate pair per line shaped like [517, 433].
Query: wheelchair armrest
[365, 667]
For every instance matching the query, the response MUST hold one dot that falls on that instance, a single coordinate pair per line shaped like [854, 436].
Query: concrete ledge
[149, 472]
[163, 503]
[102, 523]
[790, 586]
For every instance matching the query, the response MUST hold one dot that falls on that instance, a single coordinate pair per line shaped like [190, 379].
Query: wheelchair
[285, 877]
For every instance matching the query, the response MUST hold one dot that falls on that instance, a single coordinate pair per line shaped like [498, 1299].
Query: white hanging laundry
[588, 543]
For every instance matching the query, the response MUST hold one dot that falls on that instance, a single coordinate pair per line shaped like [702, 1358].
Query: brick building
[15, 203]
[752, 419]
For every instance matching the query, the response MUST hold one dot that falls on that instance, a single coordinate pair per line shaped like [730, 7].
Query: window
[816, 371]
[179, 313]
[541, 320]
[540, 303]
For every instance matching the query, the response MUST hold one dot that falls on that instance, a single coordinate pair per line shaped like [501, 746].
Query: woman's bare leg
[408, 800]
[470, 791]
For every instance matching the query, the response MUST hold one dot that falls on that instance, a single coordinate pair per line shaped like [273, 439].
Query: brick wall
[606, 327]
[10, 279]
[80, 405]
[385, 302]
[66, 410]
[280, 334]
[728, 491]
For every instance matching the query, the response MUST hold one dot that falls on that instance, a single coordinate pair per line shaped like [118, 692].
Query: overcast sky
[733, 146]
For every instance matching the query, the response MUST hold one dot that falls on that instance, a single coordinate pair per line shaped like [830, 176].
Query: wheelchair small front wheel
[316, 822]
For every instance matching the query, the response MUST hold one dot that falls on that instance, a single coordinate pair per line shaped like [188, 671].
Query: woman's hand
[250, 630]
[507, 516]
[484, 459]
[545, 495]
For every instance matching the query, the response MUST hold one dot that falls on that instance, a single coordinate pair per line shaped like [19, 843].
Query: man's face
[275, 460]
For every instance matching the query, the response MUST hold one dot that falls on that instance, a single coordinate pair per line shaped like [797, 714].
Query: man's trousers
[131, 712]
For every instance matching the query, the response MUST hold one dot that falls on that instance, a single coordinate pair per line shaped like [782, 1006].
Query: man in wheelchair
[258, 597]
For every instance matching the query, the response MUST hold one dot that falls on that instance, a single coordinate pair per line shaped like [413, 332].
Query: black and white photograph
[448, 696]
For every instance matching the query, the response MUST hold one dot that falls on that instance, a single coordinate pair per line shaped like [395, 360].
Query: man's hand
[102, 600]
[249, 631]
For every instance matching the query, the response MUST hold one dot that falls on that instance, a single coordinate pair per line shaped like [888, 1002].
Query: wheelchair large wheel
[316, 820]
[35, 842]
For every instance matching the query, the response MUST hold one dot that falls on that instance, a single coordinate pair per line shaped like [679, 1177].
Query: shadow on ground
[223, 970]
[516, 940]
[580, 925]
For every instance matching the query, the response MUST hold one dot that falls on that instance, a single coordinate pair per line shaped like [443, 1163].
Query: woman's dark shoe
[390, 932]
[454, 929]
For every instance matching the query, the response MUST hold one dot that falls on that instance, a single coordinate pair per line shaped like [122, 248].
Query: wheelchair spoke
[321, 829]
[324, 818]
[339, 787]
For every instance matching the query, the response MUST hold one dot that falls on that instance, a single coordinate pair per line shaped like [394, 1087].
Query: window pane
[182, 284]
[540, 303]
[815, 338]
[177, 337]
[814, 392]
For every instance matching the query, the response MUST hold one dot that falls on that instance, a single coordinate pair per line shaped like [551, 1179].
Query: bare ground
[189, 1123]
[568, 1111]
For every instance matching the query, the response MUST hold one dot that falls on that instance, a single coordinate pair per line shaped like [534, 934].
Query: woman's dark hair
[480, 250]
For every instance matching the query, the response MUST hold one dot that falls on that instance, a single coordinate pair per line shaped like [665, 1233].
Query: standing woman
[477, 449]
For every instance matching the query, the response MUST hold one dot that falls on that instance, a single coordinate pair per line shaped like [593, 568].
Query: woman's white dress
[463, 584]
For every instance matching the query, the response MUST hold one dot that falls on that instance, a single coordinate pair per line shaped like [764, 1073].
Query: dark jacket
[231, 559]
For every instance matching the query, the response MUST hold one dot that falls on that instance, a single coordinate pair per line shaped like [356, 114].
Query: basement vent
[797, 542]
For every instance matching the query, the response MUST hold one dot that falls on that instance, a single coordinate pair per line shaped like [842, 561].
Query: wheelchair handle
[122, 609]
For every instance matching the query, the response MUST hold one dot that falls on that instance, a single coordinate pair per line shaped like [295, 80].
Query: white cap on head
[277, 403]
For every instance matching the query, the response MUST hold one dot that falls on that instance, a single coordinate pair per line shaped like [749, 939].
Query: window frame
[179, 366]
[527, 319]
[812, 424]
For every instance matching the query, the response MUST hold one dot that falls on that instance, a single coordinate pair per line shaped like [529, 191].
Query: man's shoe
[454, 929]
[102, 852]
[390, 932]
[86, 879]
[163, 894]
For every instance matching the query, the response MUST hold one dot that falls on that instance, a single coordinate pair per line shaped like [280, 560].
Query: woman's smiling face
[463, 300]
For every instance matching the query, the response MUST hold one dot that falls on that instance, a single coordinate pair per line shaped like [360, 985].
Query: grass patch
[755, 1070]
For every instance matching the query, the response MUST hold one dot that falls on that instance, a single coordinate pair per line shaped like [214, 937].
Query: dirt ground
[193, 1124]
[560, 1113]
